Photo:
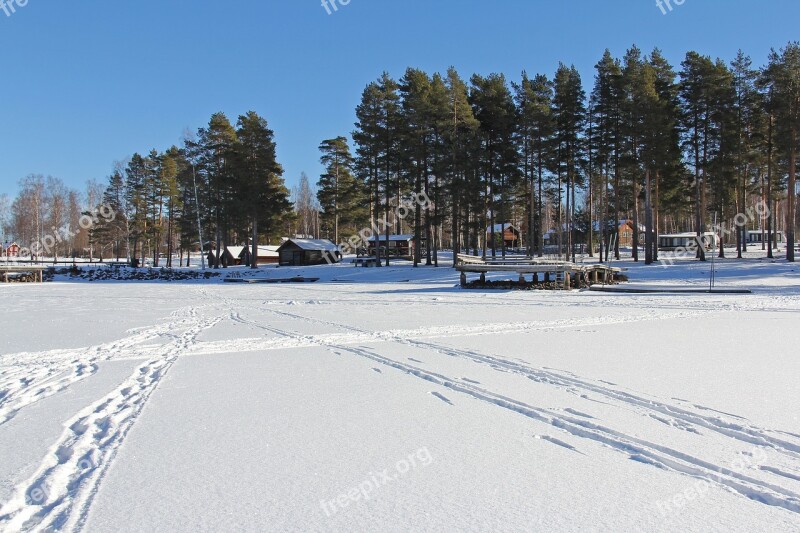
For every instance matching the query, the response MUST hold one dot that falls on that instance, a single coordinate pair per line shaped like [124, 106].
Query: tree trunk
[254, 251]
[790, 198]
[648, 221]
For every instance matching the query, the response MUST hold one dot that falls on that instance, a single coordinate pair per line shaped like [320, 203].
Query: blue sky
[89, 82]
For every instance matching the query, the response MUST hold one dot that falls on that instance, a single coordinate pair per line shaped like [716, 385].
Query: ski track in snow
[651, 453]
[59, 494]
[359, 336]
[636, 448]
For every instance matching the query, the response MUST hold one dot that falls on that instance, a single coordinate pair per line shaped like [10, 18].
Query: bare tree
[307, 208]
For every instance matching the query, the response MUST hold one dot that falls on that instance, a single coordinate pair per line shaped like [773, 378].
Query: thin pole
[199, 225]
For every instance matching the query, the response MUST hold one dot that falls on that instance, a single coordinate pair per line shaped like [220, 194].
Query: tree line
[46, 211]
[224, 186]
[670, 150]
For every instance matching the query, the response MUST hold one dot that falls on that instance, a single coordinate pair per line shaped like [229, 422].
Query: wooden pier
[36, 270]
[566, 274]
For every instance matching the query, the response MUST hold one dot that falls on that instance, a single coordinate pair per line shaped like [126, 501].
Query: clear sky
[89, 82]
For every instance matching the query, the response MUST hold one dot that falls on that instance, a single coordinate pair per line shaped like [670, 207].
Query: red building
[9, 250]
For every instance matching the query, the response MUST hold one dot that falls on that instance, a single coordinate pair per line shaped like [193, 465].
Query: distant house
[512, 236]
[625, 229]
[9, 250]
[305, 252]
[396, 246]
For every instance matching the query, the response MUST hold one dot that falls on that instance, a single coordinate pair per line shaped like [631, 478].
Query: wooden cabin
[511, 235]
[625, 230]
[226, 258]
[306, 252]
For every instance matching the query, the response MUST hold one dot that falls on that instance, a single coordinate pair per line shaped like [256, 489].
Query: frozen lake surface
[392, 400]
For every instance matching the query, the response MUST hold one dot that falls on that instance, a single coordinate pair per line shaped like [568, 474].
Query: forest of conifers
[670, 148]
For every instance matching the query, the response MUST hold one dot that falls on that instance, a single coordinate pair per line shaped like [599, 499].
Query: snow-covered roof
[236, 251]
[313, 244]
[267, 251]
[685, 234]
[392, 238]
[263, 251]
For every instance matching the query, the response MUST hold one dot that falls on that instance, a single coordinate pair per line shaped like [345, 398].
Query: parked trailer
[754, 237]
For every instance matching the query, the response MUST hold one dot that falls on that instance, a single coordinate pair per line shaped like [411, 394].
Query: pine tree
[368, 149]
[782, 76]
[667, 163]
[337, 190]
[261, 192]
[607, 96]
[377, 137]
[569, 114]
[696, 121]
[460, 144]
[418, 142]
[493, 106]
[534, 100]
[215, 148]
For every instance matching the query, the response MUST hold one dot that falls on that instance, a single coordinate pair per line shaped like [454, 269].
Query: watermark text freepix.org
[9, 7]
[375, 480]
[47, 243]
[666, 5]
[753, 459]
[330, 6]
[362, 238]
[761, 211]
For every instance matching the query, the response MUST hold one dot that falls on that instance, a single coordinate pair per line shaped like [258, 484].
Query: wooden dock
[564, 273]
[36, 270]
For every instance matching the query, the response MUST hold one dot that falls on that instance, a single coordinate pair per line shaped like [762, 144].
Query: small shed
[397, 245]
[226, 258]
[306, 252]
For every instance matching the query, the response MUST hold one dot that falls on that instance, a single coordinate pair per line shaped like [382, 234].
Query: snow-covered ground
[392, 400]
